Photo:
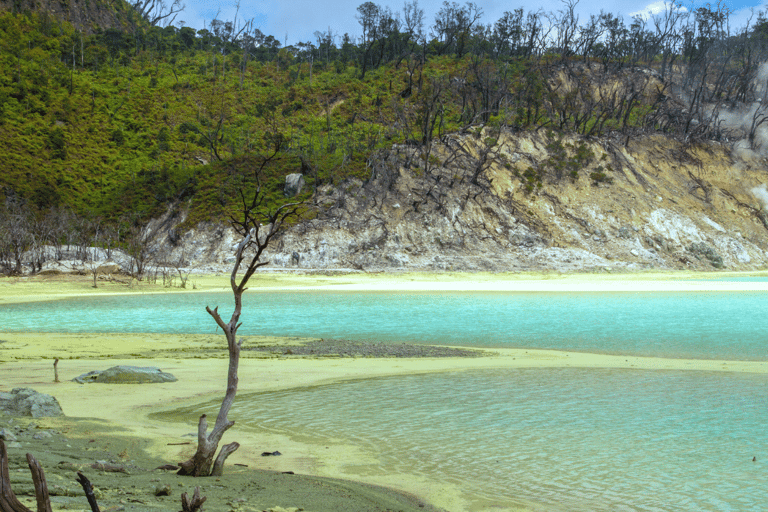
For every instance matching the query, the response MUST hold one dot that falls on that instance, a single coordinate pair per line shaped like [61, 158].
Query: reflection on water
[586, 440]
[706, 325]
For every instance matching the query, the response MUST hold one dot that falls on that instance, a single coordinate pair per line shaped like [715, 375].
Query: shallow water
[704, 325]
[569, 439]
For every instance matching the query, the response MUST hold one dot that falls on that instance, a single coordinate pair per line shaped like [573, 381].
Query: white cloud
[656, 8]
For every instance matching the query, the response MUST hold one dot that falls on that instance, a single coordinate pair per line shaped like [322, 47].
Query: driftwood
[9, 502]
[109, 468]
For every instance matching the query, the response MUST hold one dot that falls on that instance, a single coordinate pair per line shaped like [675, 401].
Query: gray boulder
[28, 402]
[293, 184]
[126, 375]
[7, 435]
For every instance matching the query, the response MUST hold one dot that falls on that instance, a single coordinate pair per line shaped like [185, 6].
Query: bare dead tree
[139, 242]
[758, 118]
[158, 12]
[179, 264]
[257, 224]
[15, 234]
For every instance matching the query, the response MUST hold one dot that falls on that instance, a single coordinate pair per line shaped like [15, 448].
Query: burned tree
[257, 223]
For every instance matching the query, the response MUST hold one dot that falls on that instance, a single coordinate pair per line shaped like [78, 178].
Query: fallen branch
[109, 468]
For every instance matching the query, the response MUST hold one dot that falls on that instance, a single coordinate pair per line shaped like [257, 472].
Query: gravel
[346, 348]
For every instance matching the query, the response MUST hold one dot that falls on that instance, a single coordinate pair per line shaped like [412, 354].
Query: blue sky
[297, 20]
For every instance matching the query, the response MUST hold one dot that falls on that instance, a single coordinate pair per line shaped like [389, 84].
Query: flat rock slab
[127, 375]
[28, 402]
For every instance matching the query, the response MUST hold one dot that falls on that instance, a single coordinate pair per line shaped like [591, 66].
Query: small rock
[163, 490]
[626, 232]
[7, 435]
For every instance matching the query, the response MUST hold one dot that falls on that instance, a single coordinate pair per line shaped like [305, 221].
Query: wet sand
[139, 418]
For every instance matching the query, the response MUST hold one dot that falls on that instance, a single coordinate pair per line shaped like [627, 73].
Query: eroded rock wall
[513, 202]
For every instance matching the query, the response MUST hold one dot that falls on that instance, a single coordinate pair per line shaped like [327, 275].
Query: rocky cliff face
[86, 15]
[533, 201]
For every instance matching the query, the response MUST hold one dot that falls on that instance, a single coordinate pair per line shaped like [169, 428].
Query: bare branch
[215, 314]
[157, 11]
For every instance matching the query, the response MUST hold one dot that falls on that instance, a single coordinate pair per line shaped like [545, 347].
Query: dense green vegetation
[122, 122]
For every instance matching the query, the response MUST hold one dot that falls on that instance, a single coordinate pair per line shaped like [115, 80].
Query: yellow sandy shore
[199, 362]
[27, 289]
[25, 361]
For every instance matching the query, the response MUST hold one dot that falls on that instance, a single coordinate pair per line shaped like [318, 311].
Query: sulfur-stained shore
[134, 425]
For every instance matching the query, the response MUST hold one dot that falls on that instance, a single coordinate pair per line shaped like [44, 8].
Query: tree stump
[195, 504]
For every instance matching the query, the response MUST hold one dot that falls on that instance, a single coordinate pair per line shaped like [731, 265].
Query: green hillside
[129, 120]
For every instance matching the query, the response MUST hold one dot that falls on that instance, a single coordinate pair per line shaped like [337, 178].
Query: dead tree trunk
[88, 490]
[8, 500]
[201, 462]
[257, 226]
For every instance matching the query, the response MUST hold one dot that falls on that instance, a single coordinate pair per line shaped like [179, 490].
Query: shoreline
[63, 286]
[200, 364]
[199, 361]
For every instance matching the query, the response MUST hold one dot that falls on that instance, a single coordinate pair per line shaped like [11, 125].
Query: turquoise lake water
[704, 325]
[570, 439]
[567, 439]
